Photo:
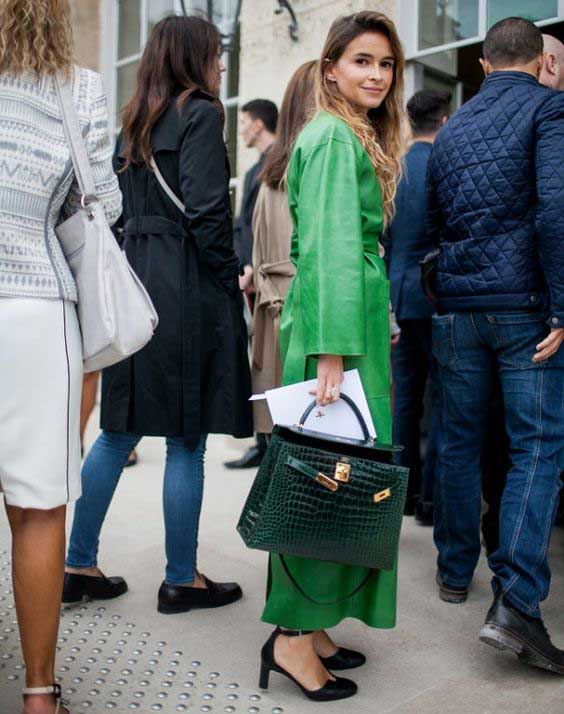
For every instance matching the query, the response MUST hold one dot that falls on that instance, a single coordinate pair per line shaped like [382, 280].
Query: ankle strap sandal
[55, 690]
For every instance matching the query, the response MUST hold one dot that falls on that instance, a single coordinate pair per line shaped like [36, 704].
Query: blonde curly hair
[383, 132]
[35, 36]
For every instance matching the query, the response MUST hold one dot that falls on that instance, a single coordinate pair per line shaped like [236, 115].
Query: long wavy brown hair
[382, 133]
[35, 36]
[176, 62]
[297, 108]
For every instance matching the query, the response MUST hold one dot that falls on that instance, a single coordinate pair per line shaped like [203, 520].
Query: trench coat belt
[272, 286]
[153, 225]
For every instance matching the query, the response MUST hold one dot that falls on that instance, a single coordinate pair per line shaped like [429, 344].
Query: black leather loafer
[451, 593]
[508, 629]
[174, 599]
[77, 587]
[343, 659]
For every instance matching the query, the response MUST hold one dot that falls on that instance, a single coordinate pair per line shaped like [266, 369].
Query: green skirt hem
[326, 624]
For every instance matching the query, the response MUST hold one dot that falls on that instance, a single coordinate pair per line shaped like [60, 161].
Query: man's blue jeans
[470, 348]
[182, 502]
[412, 363]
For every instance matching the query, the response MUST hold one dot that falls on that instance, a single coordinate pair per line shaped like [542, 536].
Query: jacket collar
[509, 77]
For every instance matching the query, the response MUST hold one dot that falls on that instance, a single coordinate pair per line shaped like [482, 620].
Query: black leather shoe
[424, 514]
[508, 629]
[451, 593]
[174, 599]
[343, 659]
[77, 587]
[330, 692]
[251, 459]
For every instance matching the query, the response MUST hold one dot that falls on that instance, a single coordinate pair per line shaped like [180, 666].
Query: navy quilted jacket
[496, 200]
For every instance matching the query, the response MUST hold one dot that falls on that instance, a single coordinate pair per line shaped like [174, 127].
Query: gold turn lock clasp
[382, 495]
[326, 481]
[342, 472]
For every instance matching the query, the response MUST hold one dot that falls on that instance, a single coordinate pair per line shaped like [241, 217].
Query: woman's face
[365, 71]
[217, 68]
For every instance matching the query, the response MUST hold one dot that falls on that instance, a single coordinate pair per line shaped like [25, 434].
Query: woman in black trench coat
[192, 379]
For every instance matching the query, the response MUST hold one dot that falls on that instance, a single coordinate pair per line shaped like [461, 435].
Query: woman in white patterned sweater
[40, 344]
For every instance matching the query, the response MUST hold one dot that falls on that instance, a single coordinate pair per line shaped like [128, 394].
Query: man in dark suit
[412, 362]
[257, 127]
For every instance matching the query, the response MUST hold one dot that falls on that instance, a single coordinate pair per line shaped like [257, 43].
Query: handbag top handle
[352, 405]
[79, 153]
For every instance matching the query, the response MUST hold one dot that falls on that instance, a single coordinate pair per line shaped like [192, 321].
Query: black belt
[155, 225]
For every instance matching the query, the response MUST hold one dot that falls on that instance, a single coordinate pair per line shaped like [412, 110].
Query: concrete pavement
[123, 656]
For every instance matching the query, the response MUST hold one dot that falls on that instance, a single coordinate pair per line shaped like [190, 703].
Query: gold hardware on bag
[326, 481]
[382, 496]
[342, 472]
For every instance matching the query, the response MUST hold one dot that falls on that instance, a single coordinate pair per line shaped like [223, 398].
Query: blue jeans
[470, 348]
[412, 364]
[182, 502]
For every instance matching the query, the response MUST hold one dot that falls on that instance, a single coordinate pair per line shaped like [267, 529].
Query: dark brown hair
[175, 63]
[382, 133]
[297, 107]
[512, 41]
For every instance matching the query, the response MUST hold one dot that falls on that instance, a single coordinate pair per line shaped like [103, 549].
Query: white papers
[287, 405]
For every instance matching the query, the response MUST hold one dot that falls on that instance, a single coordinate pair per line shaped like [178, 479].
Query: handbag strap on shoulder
[73, 133]
[165, 187]
[352, 405]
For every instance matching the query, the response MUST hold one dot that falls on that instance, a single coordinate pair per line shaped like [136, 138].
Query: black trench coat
[193, 377]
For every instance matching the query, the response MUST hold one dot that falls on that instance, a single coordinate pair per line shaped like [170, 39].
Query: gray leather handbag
[116, 315]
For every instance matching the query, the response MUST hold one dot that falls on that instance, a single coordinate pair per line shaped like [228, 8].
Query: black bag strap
[352, 405]
[318, 602]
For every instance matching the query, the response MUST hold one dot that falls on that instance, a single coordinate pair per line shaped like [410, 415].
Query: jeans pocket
[516, 335]
[443, 340]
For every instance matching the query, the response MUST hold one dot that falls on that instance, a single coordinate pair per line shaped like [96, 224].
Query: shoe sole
[452, 598]
[89, 598]
[505, 640]
[178, 610]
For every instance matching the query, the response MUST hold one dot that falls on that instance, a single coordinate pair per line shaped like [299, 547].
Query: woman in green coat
[341, 185]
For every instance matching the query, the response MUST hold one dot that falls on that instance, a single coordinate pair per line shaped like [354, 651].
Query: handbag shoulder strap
[165, 187]
[79, 152]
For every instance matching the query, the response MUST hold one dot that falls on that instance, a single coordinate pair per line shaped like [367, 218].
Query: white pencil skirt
[40, 394]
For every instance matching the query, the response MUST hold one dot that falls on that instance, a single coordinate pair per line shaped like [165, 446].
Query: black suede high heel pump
[331, 691]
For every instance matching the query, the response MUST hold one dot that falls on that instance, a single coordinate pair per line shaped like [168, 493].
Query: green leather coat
[338, 304]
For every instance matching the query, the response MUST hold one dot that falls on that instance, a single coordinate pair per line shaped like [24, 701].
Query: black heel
[331, 691]
[264, 676]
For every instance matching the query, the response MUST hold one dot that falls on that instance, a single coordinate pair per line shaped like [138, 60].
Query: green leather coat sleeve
[330, 260]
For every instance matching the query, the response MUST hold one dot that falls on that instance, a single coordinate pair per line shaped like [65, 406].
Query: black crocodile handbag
[326, 497]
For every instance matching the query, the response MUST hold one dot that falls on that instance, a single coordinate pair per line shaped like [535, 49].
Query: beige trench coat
[273, 273]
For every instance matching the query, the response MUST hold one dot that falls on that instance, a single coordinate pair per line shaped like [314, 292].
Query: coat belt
[153, 225]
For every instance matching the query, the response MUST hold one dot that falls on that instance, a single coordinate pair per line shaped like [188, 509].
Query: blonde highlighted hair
[35, 36]
[383, 132]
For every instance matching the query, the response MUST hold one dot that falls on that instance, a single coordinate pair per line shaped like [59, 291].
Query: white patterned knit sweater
[37, 184]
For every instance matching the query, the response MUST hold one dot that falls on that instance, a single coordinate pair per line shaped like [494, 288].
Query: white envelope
[287, 404]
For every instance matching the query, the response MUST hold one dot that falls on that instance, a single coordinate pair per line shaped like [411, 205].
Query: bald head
[552, 74]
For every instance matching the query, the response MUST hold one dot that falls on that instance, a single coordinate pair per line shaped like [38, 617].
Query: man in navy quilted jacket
[496, 212]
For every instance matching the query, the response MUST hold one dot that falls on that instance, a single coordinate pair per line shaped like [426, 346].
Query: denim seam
[516, 597]
[546, 540]
[528, 492]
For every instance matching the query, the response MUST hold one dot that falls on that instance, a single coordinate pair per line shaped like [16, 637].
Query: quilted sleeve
[550, 204]
[433, 214]
[331, 251]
